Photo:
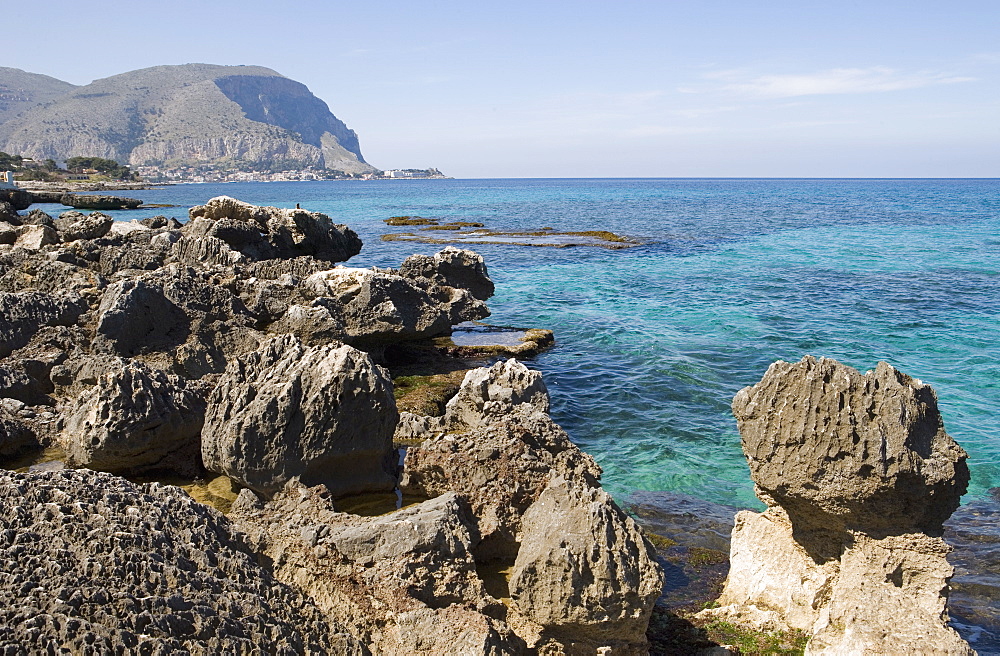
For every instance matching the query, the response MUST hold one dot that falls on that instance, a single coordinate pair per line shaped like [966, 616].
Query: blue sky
[589, 89]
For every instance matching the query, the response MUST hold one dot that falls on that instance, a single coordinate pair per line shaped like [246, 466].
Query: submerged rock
[322, 415]
[858, 475]
[96, 564]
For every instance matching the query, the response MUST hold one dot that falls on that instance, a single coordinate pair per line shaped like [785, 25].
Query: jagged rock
[96, 564]
[74, 225]
[501, 468]
[858, 474]
[46, 196]
[896, 468]
[28, 271]
[205, 251]
[269, 232]
[136, 316]
[38, 217]
[22, 314]
[19, 199]
[8, 234]
[324, 414]
[381, 307]
[15, 436]
[34, 237]
[486, 394]
[406, 583]
[9, 214]
[584, 570]
[178, 318]
[452, 267]
[99, 202]
[135, 418]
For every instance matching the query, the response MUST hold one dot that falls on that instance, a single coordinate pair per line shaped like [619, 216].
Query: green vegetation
[792, 643]
[426, 395]
[659, 541]
[108, 167]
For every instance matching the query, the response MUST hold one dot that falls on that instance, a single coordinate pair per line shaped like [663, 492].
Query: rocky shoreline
[235, 345]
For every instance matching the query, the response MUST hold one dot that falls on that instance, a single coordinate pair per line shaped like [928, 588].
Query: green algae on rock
[541, 238]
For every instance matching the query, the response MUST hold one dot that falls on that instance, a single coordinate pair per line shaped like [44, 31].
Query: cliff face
[21, 91]
[239, 116]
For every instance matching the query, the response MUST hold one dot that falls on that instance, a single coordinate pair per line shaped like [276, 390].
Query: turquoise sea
[654, 341]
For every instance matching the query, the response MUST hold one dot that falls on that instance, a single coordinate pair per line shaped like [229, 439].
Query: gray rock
[23, 314]
[858, 474]
[869, 452]
[15, 436]
[452, 267]
[34, 237]
[96, 564]
[268, 232]
[501, 468]
[38, 217]
[405, 583]
[73, 226]
[136, 316]
[8, 234]
[18, 198]
[99, 202]
[324, 414]
[135, 418]
[8, 214]
[382, 307]
[486, 394]
[584, 570]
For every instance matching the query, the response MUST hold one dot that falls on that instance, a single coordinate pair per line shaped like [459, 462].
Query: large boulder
[858, 474]
[322, 415]
[451, 267]
[22, 314]
[74, 225]
[135, 418]
[864, 451]
[584, 570]
[405, 583]
[378, 307]
[15, 436]
[34, 237]
[488, 393]
[260, 233]
[96, 564]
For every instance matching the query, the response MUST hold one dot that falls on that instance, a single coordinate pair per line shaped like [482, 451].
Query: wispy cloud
[835, 81]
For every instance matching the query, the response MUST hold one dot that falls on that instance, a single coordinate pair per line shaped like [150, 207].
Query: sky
[669, 88]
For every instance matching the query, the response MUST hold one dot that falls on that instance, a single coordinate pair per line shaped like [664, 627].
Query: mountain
[242, 117]
[20, 91]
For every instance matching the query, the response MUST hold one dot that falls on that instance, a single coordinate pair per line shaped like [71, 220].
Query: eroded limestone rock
[452, 267]
[135, 418]
[74, 225]
[858, 474]
[322, 415]
[584, 570]
[406, 582]
[96, 564]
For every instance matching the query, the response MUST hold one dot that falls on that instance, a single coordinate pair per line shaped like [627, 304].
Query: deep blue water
[653, 342]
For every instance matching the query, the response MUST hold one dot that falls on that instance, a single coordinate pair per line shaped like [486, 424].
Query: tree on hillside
[109, 167]
[10, 162]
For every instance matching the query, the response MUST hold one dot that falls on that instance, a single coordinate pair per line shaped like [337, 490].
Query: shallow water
[654, 341]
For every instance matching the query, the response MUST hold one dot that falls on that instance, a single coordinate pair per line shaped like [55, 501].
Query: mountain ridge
[239, 117]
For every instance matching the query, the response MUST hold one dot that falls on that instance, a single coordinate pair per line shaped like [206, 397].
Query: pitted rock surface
[501, 468]
[405, 582]
[22, 314]
[858, 474]
[584, 569]
[322, 414]
[96, 564]
[489, 393]
[452, 267]
[261, 233]
[869, 451]
[134, 418]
